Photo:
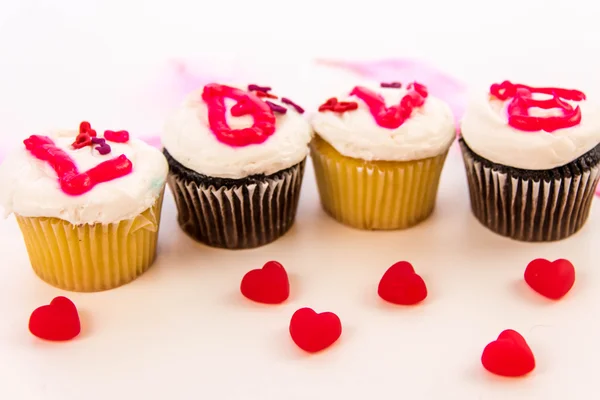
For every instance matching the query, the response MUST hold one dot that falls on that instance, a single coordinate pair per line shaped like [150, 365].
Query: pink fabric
[152, 140]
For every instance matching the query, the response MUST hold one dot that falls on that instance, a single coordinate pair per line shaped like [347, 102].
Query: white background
[182, 331]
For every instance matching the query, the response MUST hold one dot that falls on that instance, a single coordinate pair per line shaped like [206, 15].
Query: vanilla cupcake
[236, 159]
[378, 154]
[88, 206]
[532, 158]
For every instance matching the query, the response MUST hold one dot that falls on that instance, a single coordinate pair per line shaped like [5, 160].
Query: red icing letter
[247, 104]
[522, 101]
[71, 181]
[394, 116]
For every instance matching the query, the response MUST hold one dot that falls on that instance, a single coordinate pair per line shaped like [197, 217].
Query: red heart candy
[509, 355]
[57, 321]
[552, 279]
[314, 332]
[269, 285]
[401, 285]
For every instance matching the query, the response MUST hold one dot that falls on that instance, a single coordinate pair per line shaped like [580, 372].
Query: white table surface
[183, 330]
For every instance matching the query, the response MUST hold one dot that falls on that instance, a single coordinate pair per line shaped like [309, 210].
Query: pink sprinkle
[299, 109]
[258, 88]
[103, 149]
[394, 85]
[276, 107]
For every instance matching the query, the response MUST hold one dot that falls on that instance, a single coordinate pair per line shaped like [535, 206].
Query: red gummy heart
[509, 355]
[269, 285]
[552, 279]
[314, 332]
[57, 321]
[401, 285]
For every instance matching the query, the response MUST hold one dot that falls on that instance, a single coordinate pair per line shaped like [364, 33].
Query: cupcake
[88, 206]
[531, 156]
[378, 154]
[236, 162]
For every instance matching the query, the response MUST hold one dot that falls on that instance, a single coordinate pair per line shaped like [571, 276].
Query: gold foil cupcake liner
[250, 214]
[91, 258]
[375, 194]
[526, 209]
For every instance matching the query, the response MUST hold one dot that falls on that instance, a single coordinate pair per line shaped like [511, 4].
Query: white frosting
[188, 138]
[485, 129]
[30, 187]
[427, 133]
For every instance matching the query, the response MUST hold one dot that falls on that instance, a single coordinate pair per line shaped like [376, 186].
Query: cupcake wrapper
[91, 258]
[532, 210]
[241, 215]
[376, 195]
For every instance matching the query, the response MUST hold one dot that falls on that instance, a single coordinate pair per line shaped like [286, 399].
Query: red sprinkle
[117, 137]
[103, 149]
[328, 105]
[86, 136]
[82, 140]
[552, 279]
[269, 285]
[522, 100]
[509, 355]
[247, 104]
[394, 85]
[344, 106]
[265, 94]
[314, 332]
[71, 181]
[401, 285]
[338, 106]
[394, 116]
[84, 127]
[276, 107]
[287, 101]
[58, 321]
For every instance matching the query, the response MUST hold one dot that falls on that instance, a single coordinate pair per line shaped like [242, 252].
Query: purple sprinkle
[291, 103]
[276, 107]
[97, 140]
[395, 85]
[258, 88]
[103, 149]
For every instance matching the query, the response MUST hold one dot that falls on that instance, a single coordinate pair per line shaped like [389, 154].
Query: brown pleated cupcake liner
[91, 257]
[537, 206]
[248, 214]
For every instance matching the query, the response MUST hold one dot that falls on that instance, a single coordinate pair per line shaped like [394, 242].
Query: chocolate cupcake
[236, 162]
[532, 158]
